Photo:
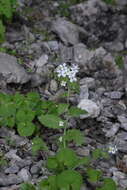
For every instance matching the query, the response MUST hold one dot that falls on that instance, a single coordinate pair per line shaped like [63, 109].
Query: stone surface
[91, 107]
[24, 175]
[113, 130]
[12, 169]
[123, 120]
[11, 70]
[67, 31]
[11, 179]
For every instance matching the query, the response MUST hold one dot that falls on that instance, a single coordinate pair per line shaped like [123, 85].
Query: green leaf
[67, 157]
[96, 154]
[76, 112]
[69, 179]
[2, 31]
[25, 129]
[24, 115]
[6, 9]
[74, 135]
[51, 121]
[93, 175]
[11, 122]
[48, 184]
[109, 184]
[38, 144]
[52, 163]
[84, 161]
[62, 108]
[27, 186]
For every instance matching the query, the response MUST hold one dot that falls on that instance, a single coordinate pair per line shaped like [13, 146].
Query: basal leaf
[62, 108]
[93, 175]
[26, 129]
[74, 135]
[69, 178]
[109, 184]
[67, 157]
[52, 163]
[50, 121]
[38, 144]
[76, 112]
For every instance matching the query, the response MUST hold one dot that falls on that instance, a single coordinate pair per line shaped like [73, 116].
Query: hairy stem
[67, 118]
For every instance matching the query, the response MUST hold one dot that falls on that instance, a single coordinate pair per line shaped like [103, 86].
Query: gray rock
[122, 135]
[39, 64]
[11, 179]
[23, 163]
[12, 170]
[35, 169]
[123, 183]
[123, 120]
[67, 31]
[12, 155]
[89, 81]
[24, 175]
[114, 46]
[53, 86]
[126, 44]
[102, 22]
[11, 70]
[91, 107]
[83, 151]
[115, 95]
[122, 146]
[113, 130]
[84, 93]
[53, 45]
[37, 80]
[121, 3]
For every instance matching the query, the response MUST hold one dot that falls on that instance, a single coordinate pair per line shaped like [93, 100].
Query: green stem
[67, 119]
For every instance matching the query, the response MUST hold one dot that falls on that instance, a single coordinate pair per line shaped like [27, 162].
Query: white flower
[67, 71]
[63, 83]
[61, 123]
[112, 149]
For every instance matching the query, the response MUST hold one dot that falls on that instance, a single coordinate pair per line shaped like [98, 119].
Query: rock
[67, 31]
[53, 86]
[53, 45]
[11, 70]
[12, 170]
[83, 151]
[113, 130]
[89, 81]
[39, 64]
[115, 95]
[122, 146]
[24, 175]
[23, 163]
[102, 22]
[12, 155]
[11, 179]
[37, 80]
[84, 93]
[114, 46]
[89, 60]
[123, 120]
[121, 3]
[91, 107]
[35, 169]
[4, 132]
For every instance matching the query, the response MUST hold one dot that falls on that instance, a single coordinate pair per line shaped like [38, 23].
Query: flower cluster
[112, 149]
[67, 71]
